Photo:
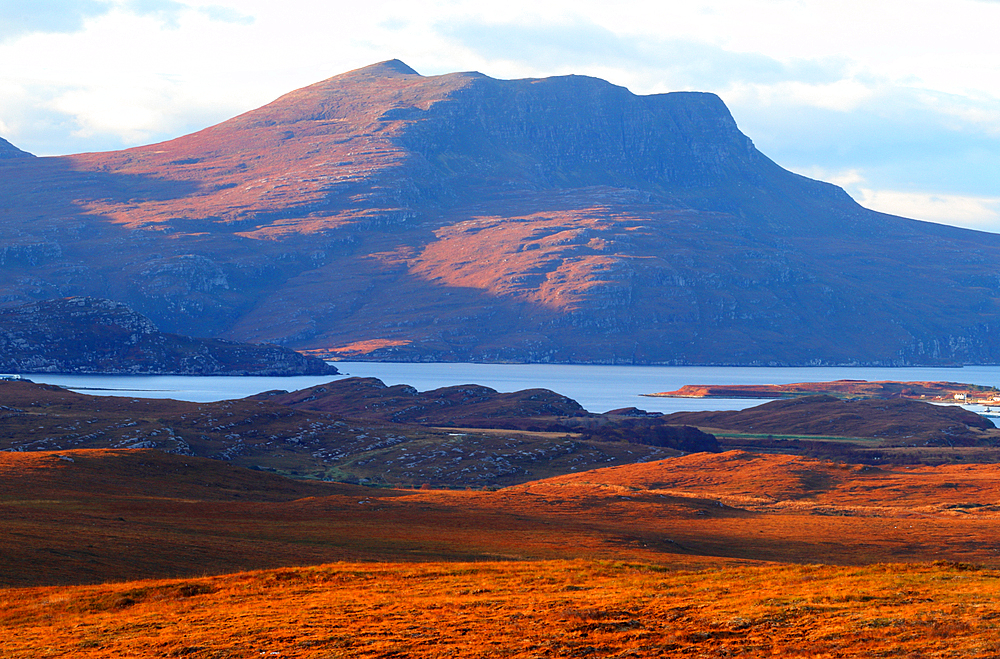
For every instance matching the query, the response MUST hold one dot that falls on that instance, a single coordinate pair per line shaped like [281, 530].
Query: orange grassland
[139, 553]
[518, 609]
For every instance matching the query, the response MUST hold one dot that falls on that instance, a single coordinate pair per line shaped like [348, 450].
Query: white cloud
[842, 95]
[980, 213]
[20, 17]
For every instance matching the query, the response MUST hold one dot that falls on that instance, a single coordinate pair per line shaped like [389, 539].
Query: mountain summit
[385, 214]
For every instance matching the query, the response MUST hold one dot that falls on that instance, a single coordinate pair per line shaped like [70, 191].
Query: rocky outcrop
[89, 335]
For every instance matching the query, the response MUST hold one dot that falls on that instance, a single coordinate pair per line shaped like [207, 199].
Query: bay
[597, 388]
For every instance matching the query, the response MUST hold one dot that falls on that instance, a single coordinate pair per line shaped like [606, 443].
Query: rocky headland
[90, 335]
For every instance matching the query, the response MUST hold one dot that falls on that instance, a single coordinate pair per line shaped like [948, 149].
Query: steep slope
[8, 150]
[381, 213]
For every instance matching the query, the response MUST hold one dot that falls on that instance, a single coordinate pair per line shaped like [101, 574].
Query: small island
[854, 389]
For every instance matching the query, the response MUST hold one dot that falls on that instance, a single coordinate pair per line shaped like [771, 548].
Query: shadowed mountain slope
[384, 214]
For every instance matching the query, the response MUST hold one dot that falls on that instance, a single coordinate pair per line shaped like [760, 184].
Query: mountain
[89, 335]
[8, 150]
[384, 214]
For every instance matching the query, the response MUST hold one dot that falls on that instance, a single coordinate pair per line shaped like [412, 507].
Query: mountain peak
[388, 69]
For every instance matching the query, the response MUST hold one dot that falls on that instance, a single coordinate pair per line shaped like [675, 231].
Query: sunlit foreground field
[519, 609]
[139, 553]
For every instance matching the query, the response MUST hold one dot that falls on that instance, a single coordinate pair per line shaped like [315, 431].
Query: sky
[897, 101]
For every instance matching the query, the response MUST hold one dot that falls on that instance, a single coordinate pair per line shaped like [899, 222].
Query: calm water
[597, 388]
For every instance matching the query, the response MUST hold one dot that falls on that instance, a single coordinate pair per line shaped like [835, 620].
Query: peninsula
[858, 389]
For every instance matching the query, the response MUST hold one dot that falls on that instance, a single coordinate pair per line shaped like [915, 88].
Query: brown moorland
[92, 516]
[708, 554]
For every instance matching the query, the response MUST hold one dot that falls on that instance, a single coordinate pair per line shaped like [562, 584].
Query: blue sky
[898, 102]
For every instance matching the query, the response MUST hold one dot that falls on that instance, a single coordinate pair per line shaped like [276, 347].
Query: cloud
[167, 11]
[170, 11]
[899, 138]
[59, 16]
[674, 64]
[980, 213]
[226, 15]
[970, 211]
[22, 17]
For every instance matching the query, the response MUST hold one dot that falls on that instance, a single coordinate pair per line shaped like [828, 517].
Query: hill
[265, 435]
[88, 335]
[896, 421]
[384, 214]
[467, 404]
[474, 407]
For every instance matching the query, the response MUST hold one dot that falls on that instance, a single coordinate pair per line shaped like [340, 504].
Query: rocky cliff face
[88, 335]
[384, 214]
